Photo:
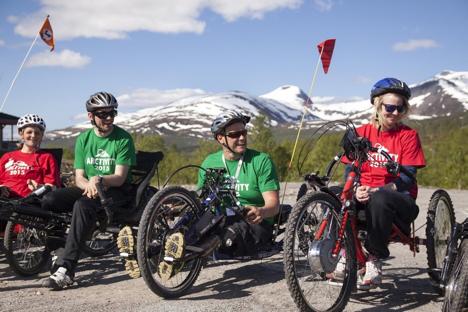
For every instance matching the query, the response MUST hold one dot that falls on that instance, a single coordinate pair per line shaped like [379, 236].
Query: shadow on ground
[400, 291]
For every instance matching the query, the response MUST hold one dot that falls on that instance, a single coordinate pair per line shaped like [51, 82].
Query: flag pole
[17, 73]
[309, 97]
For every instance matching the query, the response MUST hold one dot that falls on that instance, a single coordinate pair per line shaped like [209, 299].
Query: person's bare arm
[255, 215]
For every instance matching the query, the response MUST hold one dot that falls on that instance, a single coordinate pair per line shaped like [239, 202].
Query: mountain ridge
[445, 94]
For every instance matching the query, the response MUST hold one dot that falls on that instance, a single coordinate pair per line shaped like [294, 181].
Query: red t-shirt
[17, 167]
[402, 144]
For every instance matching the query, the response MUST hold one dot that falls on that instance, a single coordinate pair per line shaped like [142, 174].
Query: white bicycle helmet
[101, 100]
[31, 120]
[222, 121]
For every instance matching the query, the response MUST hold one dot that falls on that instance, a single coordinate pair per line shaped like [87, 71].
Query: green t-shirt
[257, 175]
[99, 155]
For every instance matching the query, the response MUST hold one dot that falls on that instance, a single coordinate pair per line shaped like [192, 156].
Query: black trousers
[83, 220]
[246, 238]
[384, 208]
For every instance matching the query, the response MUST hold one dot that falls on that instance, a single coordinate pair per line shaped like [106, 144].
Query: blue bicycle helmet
[390, 85]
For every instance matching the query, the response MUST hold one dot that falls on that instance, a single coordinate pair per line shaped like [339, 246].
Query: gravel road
[226, 286]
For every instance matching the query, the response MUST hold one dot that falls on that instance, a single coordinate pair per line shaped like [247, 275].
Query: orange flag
[47, 34]
[327, 46]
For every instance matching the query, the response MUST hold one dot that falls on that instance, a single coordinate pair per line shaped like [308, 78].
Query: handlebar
[392, 166]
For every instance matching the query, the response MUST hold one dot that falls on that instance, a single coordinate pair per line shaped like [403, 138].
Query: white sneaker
[372, 276]
[59, 280]
[336, 277]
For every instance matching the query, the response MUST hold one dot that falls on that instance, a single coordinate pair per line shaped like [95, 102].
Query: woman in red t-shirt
[24, 170]
[385, 197]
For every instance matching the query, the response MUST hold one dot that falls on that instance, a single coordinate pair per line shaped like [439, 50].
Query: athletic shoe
[173, 250]
[59, 280]
[336, 277]
[372, 276]
[126, 245]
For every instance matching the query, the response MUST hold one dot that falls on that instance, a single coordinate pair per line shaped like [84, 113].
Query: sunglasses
[104, 115]
[390, 108]
[236, 134]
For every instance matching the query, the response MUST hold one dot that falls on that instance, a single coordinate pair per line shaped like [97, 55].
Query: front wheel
[308, 263]
[26, 249]
[456, 291]
[440, 221]
[171, 210]
[100, 244]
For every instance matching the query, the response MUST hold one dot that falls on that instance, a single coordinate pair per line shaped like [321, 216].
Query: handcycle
[198, 216]
[454, 273]
[325, 227]
[33, 233]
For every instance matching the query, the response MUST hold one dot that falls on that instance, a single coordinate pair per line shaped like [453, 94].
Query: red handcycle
[326, 225]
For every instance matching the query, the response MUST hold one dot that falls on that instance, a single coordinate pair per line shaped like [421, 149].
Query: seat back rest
[57, 153]
[143, 172]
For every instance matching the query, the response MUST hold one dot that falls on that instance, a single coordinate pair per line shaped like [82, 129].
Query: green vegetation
[443, 139]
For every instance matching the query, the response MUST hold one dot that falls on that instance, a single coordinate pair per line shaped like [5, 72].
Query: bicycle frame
[348, 212]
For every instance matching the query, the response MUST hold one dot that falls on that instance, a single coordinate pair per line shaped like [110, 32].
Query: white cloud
[2, 43]
[323, 5]
[414, 44]
[114, 19]
[142, 98]
[65, 58]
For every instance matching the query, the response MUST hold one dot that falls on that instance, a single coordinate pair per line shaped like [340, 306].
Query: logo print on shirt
[102, 161]
[16, 167]
[378, 161]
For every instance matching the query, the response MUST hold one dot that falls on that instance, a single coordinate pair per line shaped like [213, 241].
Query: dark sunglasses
[236, 134]
[104, 115]
[390, 108]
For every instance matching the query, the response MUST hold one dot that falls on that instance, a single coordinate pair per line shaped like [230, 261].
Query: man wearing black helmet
[103, 154]
[257, 185]
[384, 197]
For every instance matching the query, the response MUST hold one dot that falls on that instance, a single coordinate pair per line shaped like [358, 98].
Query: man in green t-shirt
[103, 154]
[257, 185]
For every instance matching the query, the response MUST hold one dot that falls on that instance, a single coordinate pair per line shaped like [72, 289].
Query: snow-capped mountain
[445, 94]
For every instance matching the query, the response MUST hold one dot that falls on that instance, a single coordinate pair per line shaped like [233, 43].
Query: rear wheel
[307, 274]
[440, 221]
[26, 249]
[456, 291]
[173, 209]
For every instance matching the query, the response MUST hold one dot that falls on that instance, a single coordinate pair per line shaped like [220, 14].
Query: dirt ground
[226, 286]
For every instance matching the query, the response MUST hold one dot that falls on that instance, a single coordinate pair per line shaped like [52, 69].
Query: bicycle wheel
[171, 210]
[456, 291]
[26, 249]
[100, 244]
[306, 273]
[440, 221]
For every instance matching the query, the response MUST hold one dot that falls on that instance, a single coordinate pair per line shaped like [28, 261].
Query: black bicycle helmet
[225, 119]
[101, 100]
[388, 85]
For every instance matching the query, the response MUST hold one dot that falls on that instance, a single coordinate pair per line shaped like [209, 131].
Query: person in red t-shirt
[24, 170]
[384, 197]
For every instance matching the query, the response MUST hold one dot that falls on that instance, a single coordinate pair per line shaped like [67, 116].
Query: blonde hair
[378, 119]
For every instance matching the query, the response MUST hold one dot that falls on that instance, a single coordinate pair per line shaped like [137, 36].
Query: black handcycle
[197, 216]
[33, 233]
[454, 273]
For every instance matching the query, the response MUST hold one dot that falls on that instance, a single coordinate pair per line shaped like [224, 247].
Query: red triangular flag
[47, 34]
[327, 46]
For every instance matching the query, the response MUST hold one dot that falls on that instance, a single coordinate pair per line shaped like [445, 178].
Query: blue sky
[150, 52]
